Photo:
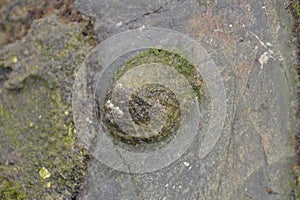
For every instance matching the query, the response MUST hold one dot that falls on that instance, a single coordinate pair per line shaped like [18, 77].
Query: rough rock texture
[250, 43]
[36, 124]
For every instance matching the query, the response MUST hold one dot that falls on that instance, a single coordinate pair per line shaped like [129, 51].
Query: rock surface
[252, 46]
[249, 43]
[36, 126]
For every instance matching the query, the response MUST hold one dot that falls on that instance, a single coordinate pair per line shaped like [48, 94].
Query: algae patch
[36, 125]
[9, 190]
[36, 140]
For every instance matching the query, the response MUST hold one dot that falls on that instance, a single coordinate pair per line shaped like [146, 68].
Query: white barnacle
[109, 105]
[118, 112]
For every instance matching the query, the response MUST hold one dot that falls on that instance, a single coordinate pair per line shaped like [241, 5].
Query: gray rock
[248, 41]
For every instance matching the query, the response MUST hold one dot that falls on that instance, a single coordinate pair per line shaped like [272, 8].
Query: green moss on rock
[11, 191]
[36, 123]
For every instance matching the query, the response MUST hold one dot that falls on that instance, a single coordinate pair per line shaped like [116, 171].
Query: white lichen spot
[120, 87]
[119, 24]
[141, 28]
[270, 51]
[118, 112]
[88, 120]
[109, 105]
[269, 44]
[248, 7]
[263, 59]
[186, 164]
[115, 109]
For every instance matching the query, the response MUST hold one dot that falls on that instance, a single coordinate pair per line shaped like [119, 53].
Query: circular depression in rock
[152, 107]
[144, 99]
[96, 89]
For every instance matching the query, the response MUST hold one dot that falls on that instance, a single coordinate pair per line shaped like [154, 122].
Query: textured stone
[248, 41]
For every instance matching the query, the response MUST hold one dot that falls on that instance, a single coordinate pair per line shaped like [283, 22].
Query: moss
[182, 65]
[36, 123]
[10, 191]
[37, 133]
[296, 7]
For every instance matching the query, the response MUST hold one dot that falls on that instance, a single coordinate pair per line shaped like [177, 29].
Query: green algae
[36, 123]
[11, 191]
[39, 131]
